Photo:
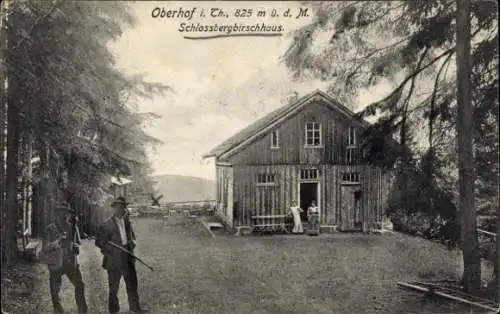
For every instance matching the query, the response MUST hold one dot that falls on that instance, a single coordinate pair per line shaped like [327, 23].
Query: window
[350, 154]
[351, 137]
[313, 134]
[275, 139]
[309, 174]
[351, 145]
[352, 177]
[266, 179]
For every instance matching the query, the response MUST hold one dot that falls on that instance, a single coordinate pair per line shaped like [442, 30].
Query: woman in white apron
[297, 222]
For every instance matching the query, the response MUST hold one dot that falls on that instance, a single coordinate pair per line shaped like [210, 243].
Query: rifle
[121, 248]
[129, 253]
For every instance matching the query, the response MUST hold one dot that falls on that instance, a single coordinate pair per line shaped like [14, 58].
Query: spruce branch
[444, 67]
[413, 79]
[37, 23]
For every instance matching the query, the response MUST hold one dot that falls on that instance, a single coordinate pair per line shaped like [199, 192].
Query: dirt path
[96, 289]
[195, 273]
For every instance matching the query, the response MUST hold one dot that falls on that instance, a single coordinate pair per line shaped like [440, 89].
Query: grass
[340, 273]
[17, 285]
[195, 273]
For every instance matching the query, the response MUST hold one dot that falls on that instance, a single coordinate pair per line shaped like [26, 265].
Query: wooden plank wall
[334, 129]
[245, 189]
[229, 188]
[330, 214]
[375, 185]
[225, 196]
[287, 180]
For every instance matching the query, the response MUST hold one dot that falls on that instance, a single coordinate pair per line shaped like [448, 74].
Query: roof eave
[208, 155]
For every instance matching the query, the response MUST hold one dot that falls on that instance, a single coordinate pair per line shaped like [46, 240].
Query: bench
[269, 223]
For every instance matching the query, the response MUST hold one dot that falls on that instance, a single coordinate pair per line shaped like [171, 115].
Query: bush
[418, 205]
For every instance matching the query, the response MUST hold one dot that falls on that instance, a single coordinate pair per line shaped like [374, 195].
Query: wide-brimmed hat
[120, 201]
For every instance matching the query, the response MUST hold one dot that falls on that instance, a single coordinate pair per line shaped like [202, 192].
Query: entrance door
[351, 207]
[308, 193]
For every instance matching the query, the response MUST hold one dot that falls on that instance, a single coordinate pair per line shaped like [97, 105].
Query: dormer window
[313, 134]
[275, 139]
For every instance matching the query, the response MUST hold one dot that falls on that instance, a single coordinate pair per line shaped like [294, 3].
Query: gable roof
[250, 133]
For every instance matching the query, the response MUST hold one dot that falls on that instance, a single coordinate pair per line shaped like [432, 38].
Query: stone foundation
[328, 229]
[243, 230]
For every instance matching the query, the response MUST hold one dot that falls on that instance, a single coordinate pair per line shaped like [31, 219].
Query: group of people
[312, 218]
[116, 240]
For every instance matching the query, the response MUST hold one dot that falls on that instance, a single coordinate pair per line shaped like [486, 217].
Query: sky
[219, 85]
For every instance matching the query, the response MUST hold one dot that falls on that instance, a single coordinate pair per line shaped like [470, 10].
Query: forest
[441, 57]
[70, 118]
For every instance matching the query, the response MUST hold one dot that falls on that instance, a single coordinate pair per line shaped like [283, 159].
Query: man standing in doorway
[61, 246]
[118, 230]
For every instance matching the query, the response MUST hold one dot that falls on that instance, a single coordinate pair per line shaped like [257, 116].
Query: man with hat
[60, 250]
[118, 230]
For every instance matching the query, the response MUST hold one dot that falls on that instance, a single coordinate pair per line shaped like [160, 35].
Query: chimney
[291, 97]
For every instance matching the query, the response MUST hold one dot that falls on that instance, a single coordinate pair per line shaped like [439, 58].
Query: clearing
[332, 273]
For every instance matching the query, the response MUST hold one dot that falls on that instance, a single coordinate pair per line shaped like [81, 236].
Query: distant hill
[178, 188]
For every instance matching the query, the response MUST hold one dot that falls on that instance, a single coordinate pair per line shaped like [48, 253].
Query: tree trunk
[28, 188]
[470, 245]
[497, 255]
[3, 126]
[46, 188]
[11, 217]
[12, 171]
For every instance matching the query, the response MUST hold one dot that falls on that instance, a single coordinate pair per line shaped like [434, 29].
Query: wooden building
[306, 150]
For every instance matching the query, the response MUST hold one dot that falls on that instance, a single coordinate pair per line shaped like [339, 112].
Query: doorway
[308, 191]
[351, 213]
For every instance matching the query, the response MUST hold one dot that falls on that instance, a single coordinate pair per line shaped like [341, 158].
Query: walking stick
[129, 253]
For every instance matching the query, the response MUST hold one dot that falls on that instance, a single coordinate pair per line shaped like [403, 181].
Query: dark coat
[113, 258]
[57, 252]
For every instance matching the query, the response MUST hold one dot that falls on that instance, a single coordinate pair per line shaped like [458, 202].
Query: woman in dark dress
[313, 218]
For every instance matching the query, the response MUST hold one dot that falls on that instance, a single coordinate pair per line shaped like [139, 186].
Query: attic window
[313, 134]
[275, 139]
